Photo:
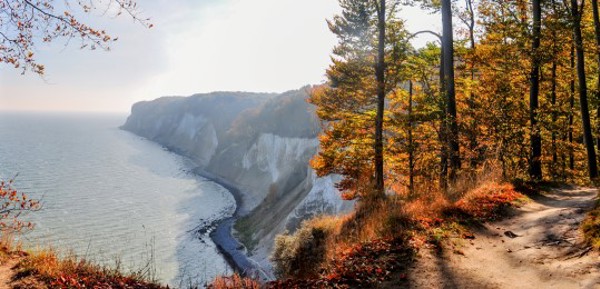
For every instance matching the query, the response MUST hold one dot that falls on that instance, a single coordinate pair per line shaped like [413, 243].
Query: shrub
[489, 201]
[300, 255]
[234, 282]
[591, 227]
[12, 205]
[72, 272]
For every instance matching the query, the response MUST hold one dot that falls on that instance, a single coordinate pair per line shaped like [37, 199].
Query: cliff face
[261, 143]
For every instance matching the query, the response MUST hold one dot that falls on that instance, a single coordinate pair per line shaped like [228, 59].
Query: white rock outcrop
[260, 143]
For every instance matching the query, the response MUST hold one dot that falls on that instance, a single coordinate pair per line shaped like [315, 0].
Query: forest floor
[540, 245]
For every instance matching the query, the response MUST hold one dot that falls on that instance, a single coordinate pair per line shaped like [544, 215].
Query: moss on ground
[243, 232]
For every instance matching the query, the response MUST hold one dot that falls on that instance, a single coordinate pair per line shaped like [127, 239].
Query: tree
[556, 39]
[415, 125]
[380, 75]
[553, 96]
[442, 134]
[576, 15]
[596, 16]
[535, 163]
[571, 107]
[448, 68]
[511, 86]
[411, 143]
[352, 104]
[346, 102]
[468, 18]
[23, 23]
[502, 85]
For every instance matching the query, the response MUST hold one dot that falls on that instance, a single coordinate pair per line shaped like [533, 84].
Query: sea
[112, 197]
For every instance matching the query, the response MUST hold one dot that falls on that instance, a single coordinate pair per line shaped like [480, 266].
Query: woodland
[513, 87]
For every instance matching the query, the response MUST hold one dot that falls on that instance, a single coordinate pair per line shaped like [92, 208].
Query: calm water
[112, 196]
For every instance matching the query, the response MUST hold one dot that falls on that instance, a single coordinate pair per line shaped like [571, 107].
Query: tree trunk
[443, 130]
[554, 113]
[448, 67]
[473, 144]
[380, 75]
[554, 118]
[585, 114]
[596, 17]
[411, 146]
[535, 164]
[571, 106]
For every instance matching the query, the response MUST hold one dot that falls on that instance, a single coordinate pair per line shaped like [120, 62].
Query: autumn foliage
[591, 227]
[377, 242]
[44, 269]
[489, 201]
[12, 205]
[24, 24]
[234, 282]
[497, 122]
[360, 266]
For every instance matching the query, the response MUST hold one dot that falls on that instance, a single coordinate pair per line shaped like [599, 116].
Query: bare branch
[425, 32]
[25, 23]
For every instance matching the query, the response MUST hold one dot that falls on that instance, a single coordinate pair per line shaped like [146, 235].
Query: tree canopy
[507, 87]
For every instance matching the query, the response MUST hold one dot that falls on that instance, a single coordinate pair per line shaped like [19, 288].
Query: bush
[489, 201]
[50, 271]
[591, 227]
[234, 282]
[12, 205]
[300, 255]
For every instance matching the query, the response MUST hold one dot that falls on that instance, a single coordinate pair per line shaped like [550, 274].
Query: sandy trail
[545, 250]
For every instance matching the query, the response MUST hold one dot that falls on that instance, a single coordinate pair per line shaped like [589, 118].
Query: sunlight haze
[195, 46]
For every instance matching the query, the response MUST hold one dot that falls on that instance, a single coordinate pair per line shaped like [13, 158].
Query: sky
[195, 46]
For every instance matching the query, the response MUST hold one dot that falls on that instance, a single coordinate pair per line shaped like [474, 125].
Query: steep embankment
[259, 143]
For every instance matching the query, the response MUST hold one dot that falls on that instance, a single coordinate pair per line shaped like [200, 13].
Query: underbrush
[361, 266]
[380, 238]
[44, 269]
[296, 255]
[234, 282]
[591, 227]
[488, 202]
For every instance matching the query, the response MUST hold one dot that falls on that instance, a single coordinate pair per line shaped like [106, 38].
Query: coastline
[228, 246]
[233, 251]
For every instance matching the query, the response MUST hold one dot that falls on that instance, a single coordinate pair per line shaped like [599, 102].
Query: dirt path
[540, 246]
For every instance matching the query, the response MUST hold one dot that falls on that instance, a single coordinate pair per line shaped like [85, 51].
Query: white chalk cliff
[260, 143]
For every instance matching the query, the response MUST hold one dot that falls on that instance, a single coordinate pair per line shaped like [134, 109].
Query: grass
[591, 227]
[380, 238]
[44, 269]
[488, 202]
[234, 282]
[243, 232]
[72, 272]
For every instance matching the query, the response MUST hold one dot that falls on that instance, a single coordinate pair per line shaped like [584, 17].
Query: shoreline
[232, 250]
[235, 192]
